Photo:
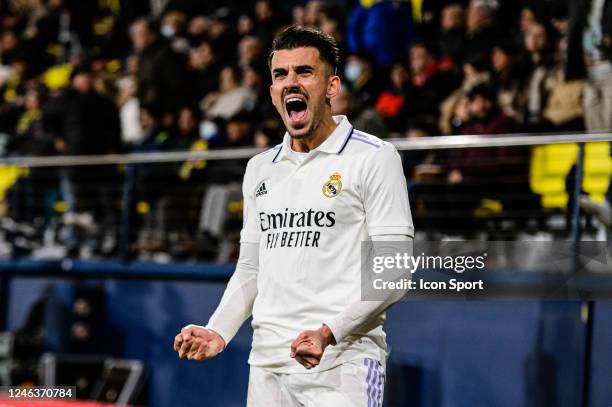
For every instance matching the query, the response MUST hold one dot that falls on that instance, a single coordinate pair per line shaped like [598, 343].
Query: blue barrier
[457, 353]
[443, 353]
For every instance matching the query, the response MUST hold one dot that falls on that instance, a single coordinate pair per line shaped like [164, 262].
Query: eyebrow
[298, 69]
[302, 68]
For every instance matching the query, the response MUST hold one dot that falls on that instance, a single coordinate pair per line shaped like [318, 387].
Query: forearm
[361, 312]
[236, 304]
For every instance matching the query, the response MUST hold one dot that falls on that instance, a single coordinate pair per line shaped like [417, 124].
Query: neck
[317, 137]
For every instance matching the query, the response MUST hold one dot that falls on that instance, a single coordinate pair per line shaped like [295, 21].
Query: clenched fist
[309, 346]
[198, 343]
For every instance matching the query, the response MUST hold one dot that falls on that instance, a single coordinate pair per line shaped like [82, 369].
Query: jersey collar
[334, 144]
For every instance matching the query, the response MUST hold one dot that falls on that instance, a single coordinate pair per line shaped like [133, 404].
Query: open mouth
[297, 110]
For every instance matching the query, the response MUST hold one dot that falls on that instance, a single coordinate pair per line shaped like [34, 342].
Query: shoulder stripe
[369, 137]
[367, 142]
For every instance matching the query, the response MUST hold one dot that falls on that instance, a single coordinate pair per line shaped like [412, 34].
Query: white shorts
[359, 383]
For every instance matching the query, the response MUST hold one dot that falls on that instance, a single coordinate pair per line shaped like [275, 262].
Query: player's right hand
[198, 343]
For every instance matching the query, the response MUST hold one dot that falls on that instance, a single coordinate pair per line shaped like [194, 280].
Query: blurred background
[104, 259]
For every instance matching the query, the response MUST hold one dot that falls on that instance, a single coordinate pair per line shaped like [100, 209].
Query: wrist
[219, 337]
[327, 335]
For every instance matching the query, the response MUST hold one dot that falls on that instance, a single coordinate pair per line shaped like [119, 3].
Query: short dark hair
[152, 24]
[298, 36]
[484, 90]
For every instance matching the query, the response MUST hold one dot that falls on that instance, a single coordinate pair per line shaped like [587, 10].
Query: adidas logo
[261, 190]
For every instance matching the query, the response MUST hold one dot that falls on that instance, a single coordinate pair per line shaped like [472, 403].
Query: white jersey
[309, 214]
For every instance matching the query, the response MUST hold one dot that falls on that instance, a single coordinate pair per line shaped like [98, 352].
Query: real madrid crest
[333, 186]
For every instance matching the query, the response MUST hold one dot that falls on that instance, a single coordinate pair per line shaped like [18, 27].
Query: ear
[333, 86]
[272, 97]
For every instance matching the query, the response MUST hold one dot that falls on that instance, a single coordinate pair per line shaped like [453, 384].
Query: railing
[423, 143]
[125, 193]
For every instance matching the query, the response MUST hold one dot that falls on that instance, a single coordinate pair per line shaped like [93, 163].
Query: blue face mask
[352, 71]
[208, 129]
[167, 31]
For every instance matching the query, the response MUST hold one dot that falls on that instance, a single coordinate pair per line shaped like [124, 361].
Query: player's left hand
[309, 346]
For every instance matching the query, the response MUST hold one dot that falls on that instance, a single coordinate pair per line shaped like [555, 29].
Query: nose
[292, 79]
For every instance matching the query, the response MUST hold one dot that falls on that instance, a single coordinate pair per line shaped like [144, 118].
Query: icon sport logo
[261, 190]
[333, 186]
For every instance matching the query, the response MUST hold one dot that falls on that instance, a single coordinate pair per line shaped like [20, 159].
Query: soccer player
[308, 204]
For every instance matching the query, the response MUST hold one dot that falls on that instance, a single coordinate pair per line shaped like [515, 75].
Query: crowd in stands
[119, 76]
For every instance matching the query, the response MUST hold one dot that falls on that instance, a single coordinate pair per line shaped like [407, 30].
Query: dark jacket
[384, 30]
[493, 162]
[88, 123]
[162, 75]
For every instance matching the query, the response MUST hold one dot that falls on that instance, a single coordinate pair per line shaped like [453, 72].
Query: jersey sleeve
[360, 312]
[385, 194]
[250, 232]
[237, 302]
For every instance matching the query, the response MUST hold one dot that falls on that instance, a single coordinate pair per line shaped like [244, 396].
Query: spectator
[173, 29]
[9, 45]
[267, 21]
[589, 56]
[474, 73]
[161, 72]
[527, 19]
[363, 117]
[383, 29]
[155, 134]
[431, 12]
[128, 104]
[313, 12]
[540, 57]
[187, 129]
[221, 33]
[269, 134]
[361, 78]
[508, 78]
[238, 132]
[231, 97]
[485, 118]
[82, 121]
[564, 110]
[477, 177]
[14, 87]
[429, 84]
[422, 165]
[29, 137]
[148, 181]
[256, 78]
[333, 22]
[245, 26]
[249, 50]
[197, 29]
[481, 31]
[391, 101]
[178, 204]
[452, 33]
[204, 70]
[298, 15]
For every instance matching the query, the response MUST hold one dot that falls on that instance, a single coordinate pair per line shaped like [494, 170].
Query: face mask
[208, 129]
[167, 31]
[352, 71]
